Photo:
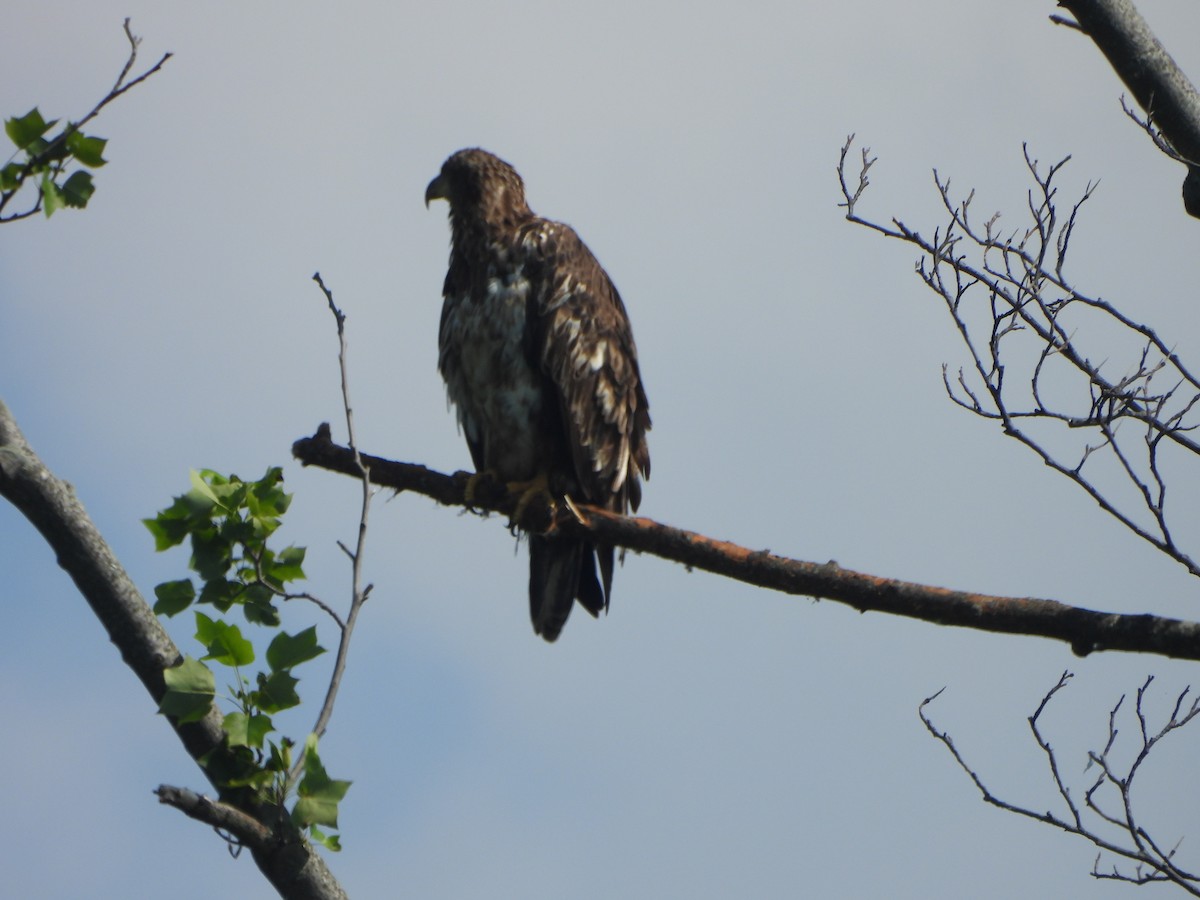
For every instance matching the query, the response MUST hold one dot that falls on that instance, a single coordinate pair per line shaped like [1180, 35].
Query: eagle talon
[575, 511]
[537, 488]
[473, 485]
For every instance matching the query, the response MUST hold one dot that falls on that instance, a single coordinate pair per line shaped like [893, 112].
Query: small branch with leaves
[1108, 800]
[228, 522]
[44, 161]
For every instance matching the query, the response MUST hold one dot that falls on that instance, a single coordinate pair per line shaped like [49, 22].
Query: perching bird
[538, 358]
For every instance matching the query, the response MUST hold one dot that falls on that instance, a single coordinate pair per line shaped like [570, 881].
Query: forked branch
[1106, 816]
[1100, 397]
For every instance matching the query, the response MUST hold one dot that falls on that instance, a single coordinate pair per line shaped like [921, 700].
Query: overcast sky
[704, 739]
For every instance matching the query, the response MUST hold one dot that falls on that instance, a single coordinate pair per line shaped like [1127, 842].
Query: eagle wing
[580, 337]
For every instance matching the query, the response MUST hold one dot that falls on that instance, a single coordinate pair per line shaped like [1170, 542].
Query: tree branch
[1156, 82]
[1037, 322]
[1153, 863]
[233, 824]
[358, 593]
[55, 145]
[1085, 630]
[287, 860]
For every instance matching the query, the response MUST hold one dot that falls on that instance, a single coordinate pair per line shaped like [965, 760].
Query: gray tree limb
[1160, 87]
[287, 860]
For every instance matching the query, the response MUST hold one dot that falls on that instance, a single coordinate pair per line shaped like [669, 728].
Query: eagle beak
[438, 190]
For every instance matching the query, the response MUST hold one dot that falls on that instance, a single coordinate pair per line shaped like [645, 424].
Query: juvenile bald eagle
[538, 358]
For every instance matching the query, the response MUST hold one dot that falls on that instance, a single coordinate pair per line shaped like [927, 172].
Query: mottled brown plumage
[539, 360]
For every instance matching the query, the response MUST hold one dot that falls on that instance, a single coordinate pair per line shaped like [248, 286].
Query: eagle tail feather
[554, 573]
[592, 596]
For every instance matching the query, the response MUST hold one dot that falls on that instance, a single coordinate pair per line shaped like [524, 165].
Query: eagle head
[481, 188]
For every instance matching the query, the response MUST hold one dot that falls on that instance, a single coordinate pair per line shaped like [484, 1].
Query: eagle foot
[537, 488]
[473, 482]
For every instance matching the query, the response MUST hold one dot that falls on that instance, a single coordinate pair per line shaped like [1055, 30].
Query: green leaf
[288, 650]
[212, 555]
[11, 176]
[221, 593]
[223, 641]
[88, 150]
[281, 756]
[168, 532]
[247, 731]
[26, 129]
[328, 841]
[319, 794]
[251, 777]
[286, 566]
[174, 597]
[190, 691]
[258, 608]
[266, 497]
[52, 198]
[202, 487]
[78, 189]
[276, 691]
[236, 530]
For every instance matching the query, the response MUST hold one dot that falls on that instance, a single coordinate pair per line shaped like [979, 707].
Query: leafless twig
[359, 593]
[1059, 370]
[1130, 841]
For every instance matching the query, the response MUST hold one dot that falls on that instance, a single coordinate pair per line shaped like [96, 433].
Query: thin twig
[1029, 300]
[359, 593]
[1151, 862]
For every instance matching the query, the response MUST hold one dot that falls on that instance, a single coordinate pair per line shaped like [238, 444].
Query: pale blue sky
[705, 739]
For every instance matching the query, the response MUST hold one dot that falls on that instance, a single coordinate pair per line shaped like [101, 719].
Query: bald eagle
[539, 361]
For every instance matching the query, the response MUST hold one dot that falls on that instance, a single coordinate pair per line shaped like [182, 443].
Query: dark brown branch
[1085, 630]
[288, 862]
[1147, 69]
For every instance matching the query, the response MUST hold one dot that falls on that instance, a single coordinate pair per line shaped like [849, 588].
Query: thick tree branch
[288, 861]
[1156, 82]
[1085, 630]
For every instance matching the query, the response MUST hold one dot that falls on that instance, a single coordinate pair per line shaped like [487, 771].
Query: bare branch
[1037, 321]
[1085, 630]
[1152, 864]
[358, 594]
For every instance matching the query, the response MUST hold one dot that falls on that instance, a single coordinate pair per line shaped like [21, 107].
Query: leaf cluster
[228, 522]
[48, 160]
